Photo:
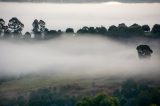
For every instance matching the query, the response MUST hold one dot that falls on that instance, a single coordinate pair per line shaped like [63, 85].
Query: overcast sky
[83, 1]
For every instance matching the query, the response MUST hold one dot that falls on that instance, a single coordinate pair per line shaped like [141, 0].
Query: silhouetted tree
[92, 30]
[59, 31]
[27, 36]
[7, 33]
[36, 31]
[156, 29]
[112, 30]
[42, 25]
[35, 26]
[39, 29]
[101, 30]
[51, 34]
[144, 51]
[42, 28]
[146, 28]
[2, 23]
[122, 30]
[83, 30]
[69, 30]
[15, 26]
[135, 29]
[87, 30]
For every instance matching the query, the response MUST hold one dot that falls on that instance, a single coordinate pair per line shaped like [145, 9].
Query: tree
[2, 23]
[99, 100]
[35, 26]
[134, 93]
[27, 36]
[35, 29]
[130, 89]
[156, 29]
[135, 29]
[144, 51]
[122, 30]
[69, 30]
[112, 30]
[51, 34]
[146, 28]
[42, 26]
[87, 30]
[39, 29]
[101, 30]
[15, 26]
[7, 33]
[92, 30]
[83, 30]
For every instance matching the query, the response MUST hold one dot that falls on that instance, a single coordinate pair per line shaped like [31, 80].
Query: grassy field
[73, 84]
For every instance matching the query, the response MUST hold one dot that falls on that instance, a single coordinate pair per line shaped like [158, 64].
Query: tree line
[39, 31]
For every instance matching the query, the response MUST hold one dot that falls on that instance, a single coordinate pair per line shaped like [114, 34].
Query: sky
[62, 16]
[84, 1]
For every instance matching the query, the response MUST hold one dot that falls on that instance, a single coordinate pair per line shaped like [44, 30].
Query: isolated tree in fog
[146, 28]
[144, 51]
[156, 29]
[69, 30]
[15, 26]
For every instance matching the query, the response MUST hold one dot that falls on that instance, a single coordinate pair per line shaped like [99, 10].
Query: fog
[62, 16]
[78, 55]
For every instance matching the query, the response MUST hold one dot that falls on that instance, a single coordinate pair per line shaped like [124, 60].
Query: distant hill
[84, 1]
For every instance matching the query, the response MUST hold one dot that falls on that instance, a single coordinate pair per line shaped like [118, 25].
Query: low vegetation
[127, 93]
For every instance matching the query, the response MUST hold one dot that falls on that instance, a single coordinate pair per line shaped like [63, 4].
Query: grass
[33, 82]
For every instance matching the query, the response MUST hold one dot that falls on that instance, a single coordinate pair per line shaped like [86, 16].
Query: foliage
[144, 51]
[15, 26]
[146, 28]
[133, 94]
[156, 30]
[40, 32]
[69, 30]
[98, 100]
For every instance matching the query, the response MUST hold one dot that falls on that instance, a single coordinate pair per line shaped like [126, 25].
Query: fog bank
[83, 55]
